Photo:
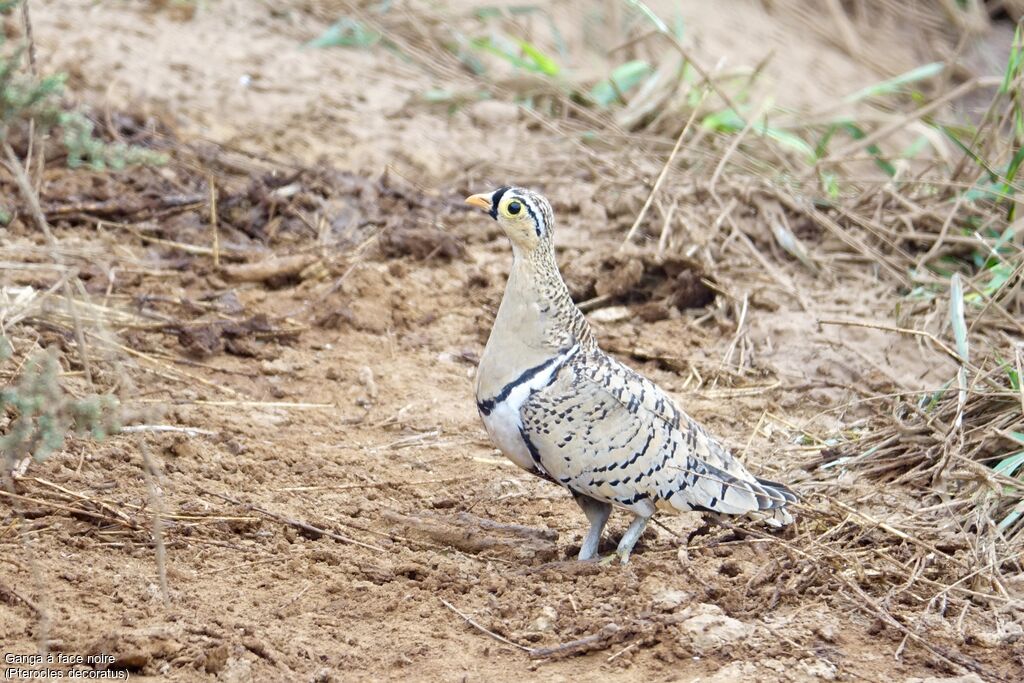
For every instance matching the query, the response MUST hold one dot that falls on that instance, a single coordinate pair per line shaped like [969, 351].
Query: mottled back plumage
[560, 407]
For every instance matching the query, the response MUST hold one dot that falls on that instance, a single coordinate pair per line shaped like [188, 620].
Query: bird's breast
[501, 409]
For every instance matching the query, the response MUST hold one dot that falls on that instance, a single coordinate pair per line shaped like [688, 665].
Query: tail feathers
[780, 494]
[777, 517]
[709, 488]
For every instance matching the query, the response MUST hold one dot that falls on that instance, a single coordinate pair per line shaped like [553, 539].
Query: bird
[559, 407]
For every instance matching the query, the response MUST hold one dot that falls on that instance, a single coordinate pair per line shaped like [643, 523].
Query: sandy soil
[341, 395]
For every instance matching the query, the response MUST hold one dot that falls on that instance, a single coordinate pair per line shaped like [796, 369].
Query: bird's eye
[514, 208]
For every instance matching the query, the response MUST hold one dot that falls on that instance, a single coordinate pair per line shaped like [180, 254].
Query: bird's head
[525, 216]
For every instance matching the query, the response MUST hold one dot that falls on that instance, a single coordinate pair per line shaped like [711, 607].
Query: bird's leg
[597, 514]
[629, 539]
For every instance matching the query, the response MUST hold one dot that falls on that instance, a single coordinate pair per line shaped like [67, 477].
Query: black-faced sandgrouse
[558, 406]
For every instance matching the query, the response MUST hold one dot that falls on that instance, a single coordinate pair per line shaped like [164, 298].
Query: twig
[664, 172]
[81, 496]
[727, 356]
[899, 534]
[243, 565]
[32, 199]
[7, 590]
[622, 651]
[872, 608]
[254, 404]
[26, 19]
[892, 328]
[579, 645]
[190, 431]
[149, 466]
[733, 146]
[67, 508]
[298, 524]
[374, 485]
[480, 628]
[213, 222]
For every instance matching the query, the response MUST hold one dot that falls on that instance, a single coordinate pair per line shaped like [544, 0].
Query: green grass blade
[346, 33]
[1015, 64]
[649, 15]
[1011, 374]
[1009, 519]
[895, 83]
[625, 77]
[543, 63]
[830, 183]
[951, 134]
[956, 316]
[857, 134]
[1014, 165]
[728, 121]
[821, 148]
[725, 121]
[790, 140]
[1009, 466]
[535, 61]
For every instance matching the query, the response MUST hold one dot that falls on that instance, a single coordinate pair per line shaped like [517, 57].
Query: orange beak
[481, 200]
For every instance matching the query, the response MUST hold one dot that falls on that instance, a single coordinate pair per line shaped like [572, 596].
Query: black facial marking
[496, 199]
[536, 223]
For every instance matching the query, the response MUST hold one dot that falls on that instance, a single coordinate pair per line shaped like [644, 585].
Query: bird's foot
[621, 555]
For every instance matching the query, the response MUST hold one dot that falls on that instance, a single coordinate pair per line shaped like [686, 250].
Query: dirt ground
[339, 393]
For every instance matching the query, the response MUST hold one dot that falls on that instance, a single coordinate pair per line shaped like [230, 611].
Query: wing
[605, 431]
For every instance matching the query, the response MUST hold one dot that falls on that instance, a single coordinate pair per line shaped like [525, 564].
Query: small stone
[216, 659]
[493, 114]
[546, 620]
[966, 678]
[277, 367]
[736, 671]
[827, 632]
[670, 599]
[819, 669]
[709, 629]
[611, 314]
[238, 670]
[1005, 635]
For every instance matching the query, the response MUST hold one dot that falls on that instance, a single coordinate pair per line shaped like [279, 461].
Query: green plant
[43, 412]
[84, 148]
[26, 97]
[1011, 466]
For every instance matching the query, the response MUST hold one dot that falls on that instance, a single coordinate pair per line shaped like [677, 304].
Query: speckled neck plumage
[562, 322]
[537, 306]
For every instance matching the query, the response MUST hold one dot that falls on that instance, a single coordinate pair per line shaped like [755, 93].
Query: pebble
[493, 114]
[670, 599]
[709, 629]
